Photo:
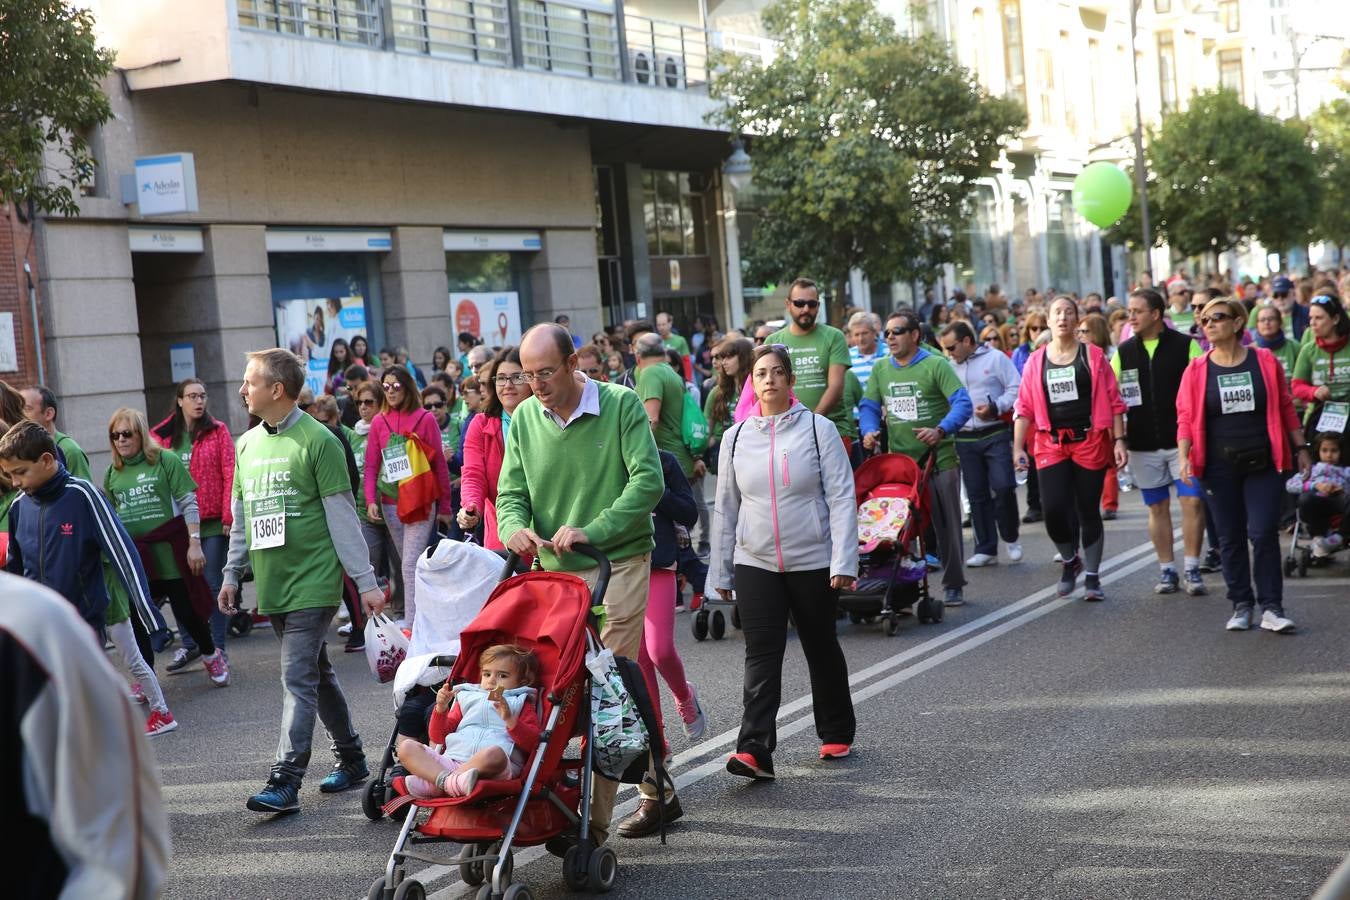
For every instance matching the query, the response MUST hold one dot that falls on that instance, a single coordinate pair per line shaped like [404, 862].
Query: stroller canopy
[885, 468]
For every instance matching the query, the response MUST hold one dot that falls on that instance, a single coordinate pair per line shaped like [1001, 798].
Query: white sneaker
[345, 630]
[1270, 621]
[1320, 550]
[1059, 559]
[980, 560]
[1015, 551]
[1241, 619]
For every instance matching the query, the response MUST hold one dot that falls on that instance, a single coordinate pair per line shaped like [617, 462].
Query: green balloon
[1102, 193]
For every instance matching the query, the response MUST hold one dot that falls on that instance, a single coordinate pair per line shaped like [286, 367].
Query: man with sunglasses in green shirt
[819, 357]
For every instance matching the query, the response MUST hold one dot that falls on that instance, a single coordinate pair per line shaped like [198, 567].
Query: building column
[417, 293]
[236, 258]
[90, 328]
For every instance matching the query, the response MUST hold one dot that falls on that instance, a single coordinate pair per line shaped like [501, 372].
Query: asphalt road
[1025, 747]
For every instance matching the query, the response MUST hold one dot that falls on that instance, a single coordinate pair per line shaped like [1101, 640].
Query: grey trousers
[946, 493]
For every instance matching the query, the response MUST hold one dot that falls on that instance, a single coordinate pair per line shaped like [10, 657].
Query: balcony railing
[571, 37]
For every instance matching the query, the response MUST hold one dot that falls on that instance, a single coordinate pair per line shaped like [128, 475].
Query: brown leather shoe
[646, 819]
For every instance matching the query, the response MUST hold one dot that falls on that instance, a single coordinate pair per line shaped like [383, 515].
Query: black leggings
[184, 613]
[1070, 496]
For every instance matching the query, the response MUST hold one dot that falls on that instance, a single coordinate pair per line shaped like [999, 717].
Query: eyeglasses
[196, 396]
[434, 405]
[1083, 330]
[593, 371]
[806, 304]
[1216, 318]
[392, 386]
[367, 401]
[896, 332]
[121, 435]
[517, 379]
[532, 377]
[724, 356]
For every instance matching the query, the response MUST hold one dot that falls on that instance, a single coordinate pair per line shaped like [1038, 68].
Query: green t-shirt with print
[282, 479]
[913, 397]
[812, 355]
[677, 342]
[77, 461]
[210, 527]
[1318, 367]
[143, 495]
[659, 382]
[358, 445]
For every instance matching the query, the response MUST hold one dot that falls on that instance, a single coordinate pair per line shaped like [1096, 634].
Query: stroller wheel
[518, 891]
[377, 890]
[241, 623]
[892, 625]
[736, 617]
[471, 873]
[1304, 559]
[1289, 566]
[410, 889]
[574, 870]
[484, 893]
[372, 798]
[603, 869]
[699, 624]
[718, 628]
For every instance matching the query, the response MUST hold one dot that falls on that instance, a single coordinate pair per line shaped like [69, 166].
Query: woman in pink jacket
[1070, 405]
[401, 415]
[485, 445]
[1236, 432]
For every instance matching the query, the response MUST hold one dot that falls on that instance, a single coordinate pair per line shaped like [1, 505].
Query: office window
[1167, 72]
[673, 215]
[1230, 70]
[1162, 6]
[1232, 20]
[1014, 69]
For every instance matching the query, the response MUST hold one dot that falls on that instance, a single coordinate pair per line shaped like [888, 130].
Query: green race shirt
[659, 382]
[143, 495]
[1315, 366]
[812, 355]
[914, 397]
[853, 394]
[677, 342]
[284, 477]
[358, 445]
[77, 461]
[1183, 320]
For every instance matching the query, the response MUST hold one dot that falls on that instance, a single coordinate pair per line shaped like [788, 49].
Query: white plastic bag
[386, 647]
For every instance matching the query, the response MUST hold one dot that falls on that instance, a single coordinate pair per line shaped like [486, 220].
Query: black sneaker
[345, 776]
[182, 659]
[1068, 580]
[276, 797]
[1092, 588]
[1034, 514]
[1211, 562]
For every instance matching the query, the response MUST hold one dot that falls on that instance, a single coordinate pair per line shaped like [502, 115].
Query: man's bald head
[648, 346]
[548, 341]
[548, 349]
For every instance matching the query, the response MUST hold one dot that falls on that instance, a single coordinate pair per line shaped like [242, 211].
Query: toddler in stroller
[1323, 506]
[487, 731]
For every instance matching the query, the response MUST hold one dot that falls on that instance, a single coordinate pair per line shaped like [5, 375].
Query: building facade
[402, 169]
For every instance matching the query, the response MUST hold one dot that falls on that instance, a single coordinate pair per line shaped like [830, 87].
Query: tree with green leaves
[1330, 126]
[1221, 174]
[50, 68]
[866, 143]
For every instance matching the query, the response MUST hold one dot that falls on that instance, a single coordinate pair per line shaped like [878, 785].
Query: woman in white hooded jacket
[785, 539]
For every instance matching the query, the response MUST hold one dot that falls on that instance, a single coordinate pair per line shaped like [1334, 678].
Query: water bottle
[1021, 475]
[1125, 479]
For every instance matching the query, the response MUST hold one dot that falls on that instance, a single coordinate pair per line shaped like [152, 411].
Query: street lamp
[737, 167]
[1139, 176]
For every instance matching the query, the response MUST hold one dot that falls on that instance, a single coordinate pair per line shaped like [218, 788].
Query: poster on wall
[494, 317]
[308, 328]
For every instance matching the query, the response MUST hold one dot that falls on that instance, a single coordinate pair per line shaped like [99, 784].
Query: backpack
[693, 427]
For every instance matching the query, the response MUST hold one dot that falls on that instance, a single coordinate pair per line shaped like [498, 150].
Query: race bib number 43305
[267, 523]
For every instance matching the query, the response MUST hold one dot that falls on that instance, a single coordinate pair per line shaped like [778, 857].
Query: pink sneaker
[160, 722]
[461, 784]
[691, 714]
[217, 668]
[137, 694]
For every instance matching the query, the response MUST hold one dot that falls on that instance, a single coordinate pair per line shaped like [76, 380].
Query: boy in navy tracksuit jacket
[61, 529]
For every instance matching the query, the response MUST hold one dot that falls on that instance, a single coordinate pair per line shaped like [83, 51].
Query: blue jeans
[1247, 508]
[987, 469]
[310, 687]
[214, 549]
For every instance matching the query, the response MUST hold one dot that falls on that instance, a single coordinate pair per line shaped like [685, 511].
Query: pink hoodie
[1280, 416]
[424, 425]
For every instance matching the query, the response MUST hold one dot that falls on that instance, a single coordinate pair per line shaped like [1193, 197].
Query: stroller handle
[445, 662]
[601, 580]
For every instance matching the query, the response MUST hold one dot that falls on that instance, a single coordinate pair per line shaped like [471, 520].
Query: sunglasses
[1082, 331]
[433, 405]
[1321, 300]
[121, 435]
[392, 386]
[724, 356]
[593, 371]
[367, 402]
[1215, 318]
[896, 332]
[806, 304]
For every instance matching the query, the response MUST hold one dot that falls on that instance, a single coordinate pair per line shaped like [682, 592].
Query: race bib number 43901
[267, 523]
[1130, 390]
[1236, 394]
[1063, 384]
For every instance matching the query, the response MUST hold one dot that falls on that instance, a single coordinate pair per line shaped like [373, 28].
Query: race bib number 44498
[1236, 393]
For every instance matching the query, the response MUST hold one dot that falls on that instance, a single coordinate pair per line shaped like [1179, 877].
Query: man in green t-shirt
[295, 522]
[920, 398]
[581, 467]
[662, 393]
[819, 357]
[665, 326]
[40, 406]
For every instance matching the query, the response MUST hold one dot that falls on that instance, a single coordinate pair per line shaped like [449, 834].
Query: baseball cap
[1282, 285]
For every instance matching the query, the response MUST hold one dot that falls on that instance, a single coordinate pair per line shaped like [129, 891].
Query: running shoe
[344, 630]
[745, 765]
[1092, 588]
[980, 560]
[1241, 619]
[217, 667]
[1015, 551]
[1068, 580]
[1195, 583]
[953, 597]
[691, 714]
[343, 615]
[161, 721]
[137, 694]
[181, 657]
[346, 774]
[933, 562]
[1276, 622]
[276, 797]
[1321, 548]
[1168, 582]
[1034, 514]
[834, 751]
[1211, 562]
[1109, 515]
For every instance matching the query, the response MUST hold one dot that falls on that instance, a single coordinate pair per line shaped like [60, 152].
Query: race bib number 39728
[267, 523]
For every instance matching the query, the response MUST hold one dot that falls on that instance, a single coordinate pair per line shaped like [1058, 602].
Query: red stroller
[892, 572]
[550, 613]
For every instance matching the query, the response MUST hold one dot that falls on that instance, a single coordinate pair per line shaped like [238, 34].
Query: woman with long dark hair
[439, 357]
[360, 350]
[204, 445]
[1321, 375]
[731, 363]
[396, 493]
[339, 358]
[485, 445]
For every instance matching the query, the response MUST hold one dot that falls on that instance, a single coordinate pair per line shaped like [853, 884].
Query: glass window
[1013, 64]
[1162, 6]
[1167, 72]
[1061, 243]
[1230, 70]
[476, 273]
[1232, 17]
[673, 215]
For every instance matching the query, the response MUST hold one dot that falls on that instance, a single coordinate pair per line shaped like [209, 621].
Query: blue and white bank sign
[166, 185]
